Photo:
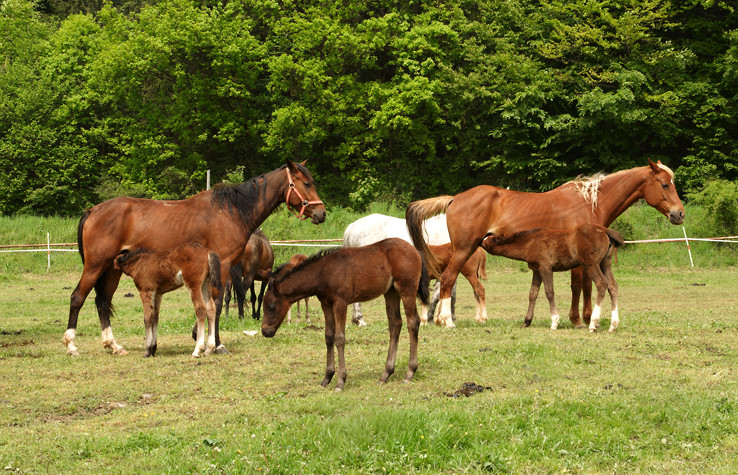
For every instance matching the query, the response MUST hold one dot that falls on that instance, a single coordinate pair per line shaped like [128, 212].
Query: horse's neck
[298, 285]
[274, 186]
[618, 192]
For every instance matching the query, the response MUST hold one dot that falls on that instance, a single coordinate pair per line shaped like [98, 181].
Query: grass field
[658, 395]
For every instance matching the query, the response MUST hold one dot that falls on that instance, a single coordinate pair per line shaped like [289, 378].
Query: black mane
[243, 199]
[275, 274]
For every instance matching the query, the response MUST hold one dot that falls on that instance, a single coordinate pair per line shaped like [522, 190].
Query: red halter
[305, 203]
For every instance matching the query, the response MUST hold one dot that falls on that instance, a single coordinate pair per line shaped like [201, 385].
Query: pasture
[657, 395]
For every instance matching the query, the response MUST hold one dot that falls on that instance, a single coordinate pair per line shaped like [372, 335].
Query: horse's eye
[307, 185]
[665, 185]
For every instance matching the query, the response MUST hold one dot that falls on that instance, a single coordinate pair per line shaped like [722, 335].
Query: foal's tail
[482, 266]
[424, 284]
[416, 213]
[616, 239]
[214, 269]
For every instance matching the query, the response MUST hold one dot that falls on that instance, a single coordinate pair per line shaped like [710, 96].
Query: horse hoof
[72, 353]
[120, 351]
[592, 330]
[338, 390]
[580, 326]
[195, 355]
[221, 350]
[361, 323]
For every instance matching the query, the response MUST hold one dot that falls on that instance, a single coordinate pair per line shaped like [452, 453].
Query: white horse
[375, 227]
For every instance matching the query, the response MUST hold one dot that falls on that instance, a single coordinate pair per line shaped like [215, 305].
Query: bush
[720, 199]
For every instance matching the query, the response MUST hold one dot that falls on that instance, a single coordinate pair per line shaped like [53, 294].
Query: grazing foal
[339, 277]
[548, 251]
[158, 272]
[294, 260]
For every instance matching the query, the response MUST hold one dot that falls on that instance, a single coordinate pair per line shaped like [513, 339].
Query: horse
[220, 219]
[474, 269]
[548, 251]
[375, 227]
[341, 276]
[158, 272]
[257, 262]
[483, 210]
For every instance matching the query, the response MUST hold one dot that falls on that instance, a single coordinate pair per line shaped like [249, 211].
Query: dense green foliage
[389, 100]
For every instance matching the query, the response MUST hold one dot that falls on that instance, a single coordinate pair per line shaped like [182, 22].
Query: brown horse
[257, 262]
[158, 272]
[473, 270]
[341, 276]
[221, 219]
[548, 251]
[294, 260]
[482, 210]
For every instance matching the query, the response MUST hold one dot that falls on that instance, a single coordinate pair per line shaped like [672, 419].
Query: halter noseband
[305, 203]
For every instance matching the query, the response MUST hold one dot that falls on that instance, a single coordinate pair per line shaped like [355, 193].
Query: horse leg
[601, 282]
[547, 276]
[105, 288]
[196, 295]
[80, 293]
[535, 286]
[225, 268]
[254, 308]
[576, 290]
[479, 296]
[358, 318]
[586, 297]
[339, 315]
[448, 279]
[424, 317]
[413, 324]
[150, 301]
[207, 295]
[330, 332]
[612, 288]
[392, 306]
[307, 316]
[227, 296]
[262, 288]
[453, 301]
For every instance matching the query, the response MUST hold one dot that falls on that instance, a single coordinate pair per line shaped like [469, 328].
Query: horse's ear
[291, 165]
[303, 162]
[654, 166]
[263, 274]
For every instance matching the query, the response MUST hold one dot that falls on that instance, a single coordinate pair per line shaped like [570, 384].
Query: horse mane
[275, 274]
[242, 198]
[589, 186]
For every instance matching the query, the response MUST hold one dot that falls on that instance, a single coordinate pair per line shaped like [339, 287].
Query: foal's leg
[358, 318]
[201, 313]
[535, 286]
[479, 296]
[207, 293]
[576, 290]
[330, 332]
[392, 306]
[148, 301]
[612, 288]
[307, 316]
[547, 276]
[413, 324]
[339, 314]
[601, 282]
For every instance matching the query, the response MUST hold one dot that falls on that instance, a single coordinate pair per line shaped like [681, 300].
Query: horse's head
[301, 195]
[274, 309]
[275, 304]
[660, 192]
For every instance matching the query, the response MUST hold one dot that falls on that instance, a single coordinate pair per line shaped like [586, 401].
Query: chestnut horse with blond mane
[220, 219]
[473, 214]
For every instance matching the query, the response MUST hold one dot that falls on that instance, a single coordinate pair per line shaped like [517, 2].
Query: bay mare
[220, 219]
[158, 272]
[547, 251]
[473, 214]
[341, 276]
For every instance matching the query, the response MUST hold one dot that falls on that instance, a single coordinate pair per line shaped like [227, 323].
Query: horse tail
[424, 284]
[214, 270]
[81, 225]
[416, 213]
[616, 239]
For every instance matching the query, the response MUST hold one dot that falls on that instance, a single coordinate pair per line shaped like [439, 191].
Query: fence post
[48, 253]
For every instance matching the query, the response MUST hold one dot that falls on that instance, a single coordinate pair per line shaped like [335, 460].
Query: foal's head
[275, 304]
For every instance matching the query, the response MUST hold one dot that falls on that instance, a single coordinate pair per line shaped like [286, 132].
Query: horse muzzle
[268, 332]
[318, 216]
[676, 216]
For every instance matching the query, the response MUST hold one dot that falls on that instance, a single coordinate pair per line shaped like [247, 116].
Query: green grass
[658, 395]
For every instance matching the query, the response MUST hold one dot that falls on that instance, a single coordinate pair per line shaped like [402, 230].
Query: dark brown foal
[158, 272]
